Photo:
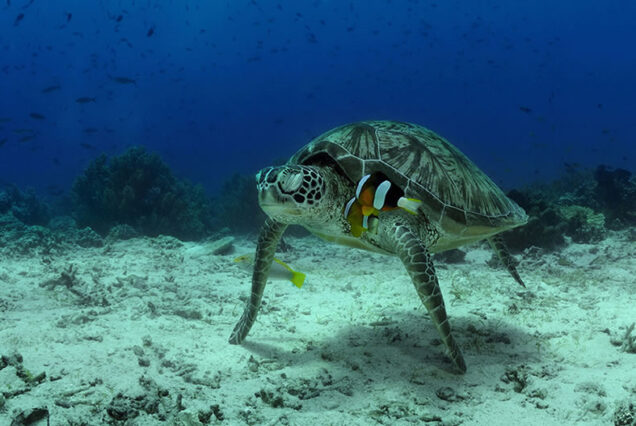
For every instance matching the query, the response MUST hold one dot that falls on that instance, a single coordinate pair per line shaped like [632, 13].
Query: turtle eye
[290, 182]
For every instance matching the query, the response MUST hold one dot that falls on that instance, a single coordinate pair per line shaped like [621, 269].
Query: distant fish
[278, 271]
[84, 100]
[525, 109]
[26, 138]
[37, 116]
[90, 130]
[119, 18]
[68, 17]
[123, 80]
[3, 141]
[51, 88]
[150, 32]
[18, 18]
[5, 119]
[87, 146]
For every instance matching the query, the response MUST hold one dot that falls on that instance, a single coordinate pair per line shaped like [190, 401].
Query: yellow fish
[278, 271]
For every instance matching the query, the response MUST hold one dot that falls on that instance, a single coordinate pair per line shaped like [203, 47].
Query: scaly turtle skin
[459, 205]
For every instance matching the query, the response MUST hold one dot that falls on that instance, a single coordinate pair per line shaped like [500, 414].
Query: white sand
[150, 318]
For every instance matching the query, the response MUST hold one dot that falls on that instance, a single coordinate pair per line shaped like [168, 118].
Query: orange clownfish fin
[353, 214]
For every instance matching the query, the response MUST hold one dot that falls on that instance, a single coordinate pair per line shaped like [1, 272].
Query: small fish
[51, 89]
[3, 141]
[525, 109]
[119, 18]
[375, 194]
[37, 116]
[90, 130]
[68, 17]
[18, 19]
[26, 138]
[87, 145]
[84, 100]
[278, 271]
[150, 32]
[123, 80]
[5, 119]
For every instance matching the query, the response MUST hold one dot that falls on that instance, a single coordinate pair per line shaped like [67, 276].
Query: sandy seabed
[135, 332]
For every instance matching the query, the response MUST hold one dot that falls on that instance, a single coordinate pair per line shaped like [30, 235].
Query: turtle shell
[454, 192]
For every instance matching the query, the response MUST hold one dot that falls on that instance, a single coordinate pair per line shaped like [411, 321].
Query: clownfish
[375, 194]
[278, 271]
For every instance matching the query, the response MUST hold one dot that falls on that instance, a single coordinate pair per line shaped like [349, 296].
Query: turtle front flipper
[419, 265]
[499, 246]
[265, 248]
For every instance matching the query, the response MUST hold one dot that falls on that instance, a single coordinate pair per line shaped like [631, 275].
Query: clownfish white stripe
[380, 194]
[348, 207]
[361, 184]
[365, 222]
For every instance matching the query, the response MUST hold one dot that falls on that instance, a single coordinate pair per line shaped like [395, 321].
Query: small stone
[446, 393]
[223, 246]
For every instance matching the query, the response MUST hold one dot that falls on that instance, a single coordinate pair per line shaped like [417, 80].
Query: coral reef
[583, 223]
[237, 205]
[583, 204]
[616, 195]
[25, 206]
[138, 189]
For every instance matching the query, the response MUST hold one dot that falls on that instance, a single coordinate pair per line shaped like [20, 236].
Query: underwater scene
[268, 212]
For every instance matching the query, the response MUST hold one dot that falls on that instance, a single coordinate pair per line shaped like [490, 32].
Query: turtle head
[292, 194]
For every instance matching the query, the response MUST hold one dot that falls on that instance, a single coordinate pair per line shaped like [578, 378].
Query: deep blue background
[230, 86]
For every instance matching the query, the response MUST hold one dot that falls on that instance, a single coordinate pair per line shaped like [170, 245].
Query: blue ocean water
[231, 86]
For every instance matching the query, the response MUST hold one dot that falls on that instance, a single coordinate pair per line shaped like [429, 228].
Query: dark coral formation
[138, 189]
[237, 205]
[616, 196]
[25, 206]
[582, 205]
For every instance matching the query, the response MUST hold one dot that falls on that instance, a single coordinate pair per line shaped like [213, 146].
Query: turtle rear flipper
[499, 246]
[265, 249]
[419, 265]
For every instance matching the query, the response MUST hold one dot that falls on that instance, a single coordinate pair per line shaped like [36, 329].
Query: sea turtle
[452, 203]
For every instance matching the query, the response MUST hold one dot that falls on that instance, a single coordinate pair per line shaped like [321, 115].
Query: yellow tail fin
[298, 278]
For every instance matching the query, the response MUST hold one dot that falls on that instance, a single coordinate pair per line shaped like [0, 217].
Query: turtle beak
[275, 207]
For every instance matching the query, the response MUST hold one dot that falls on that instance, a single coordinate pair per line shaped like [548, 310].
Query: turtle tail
[267, 243]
